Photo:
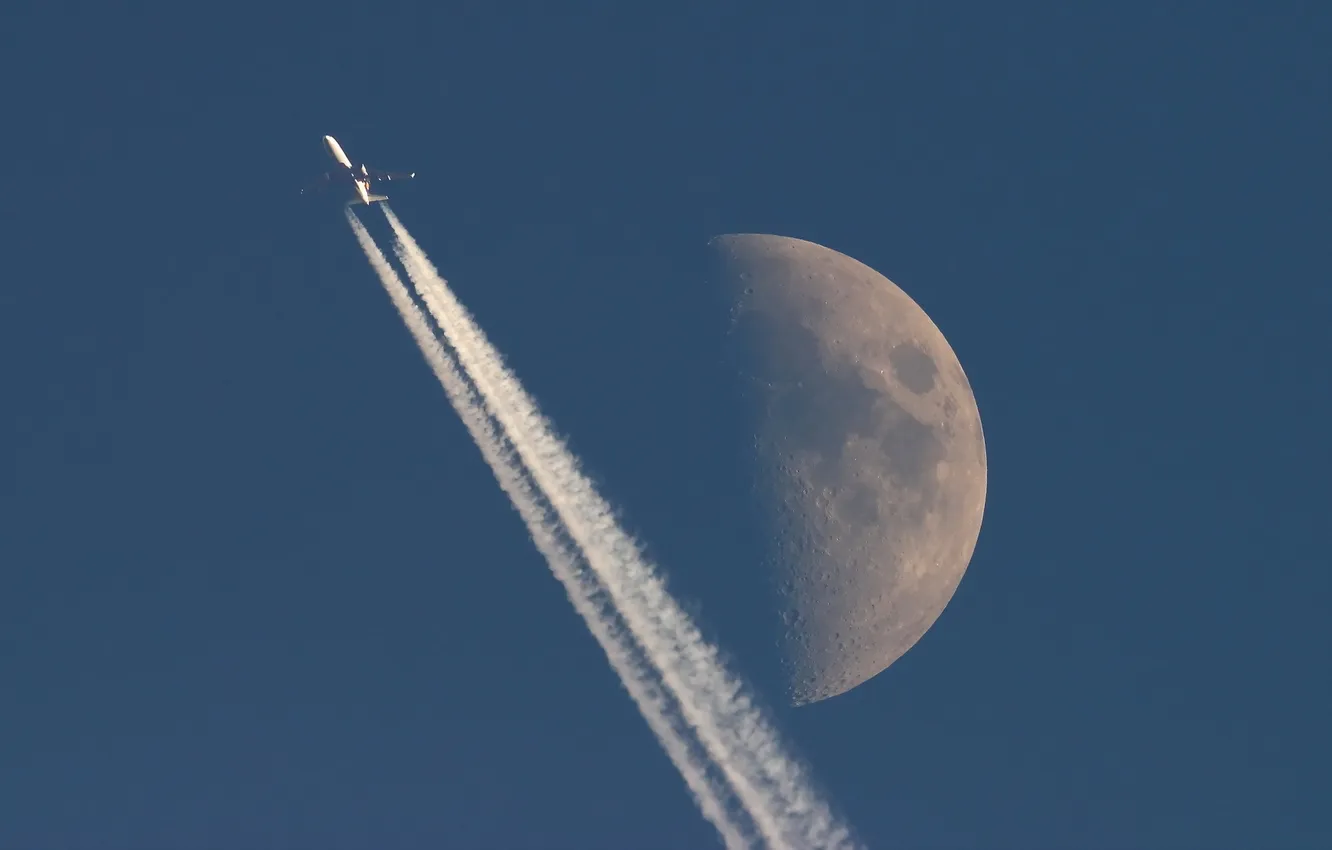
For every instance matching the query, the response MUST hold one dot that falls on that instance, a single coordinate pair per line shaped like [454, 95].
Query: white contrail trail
[771, 785]
[587, 596]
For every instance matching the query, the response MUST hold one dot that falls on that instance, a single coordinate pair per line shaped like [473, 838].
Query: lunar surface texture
[869, 461]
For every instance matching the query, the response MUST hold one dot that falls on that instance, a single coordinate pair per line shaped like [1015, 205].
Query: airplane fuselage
[360, 181]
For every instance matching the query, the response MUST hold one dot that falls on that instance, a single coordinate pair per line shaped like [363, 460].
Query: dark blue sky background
[257, 588]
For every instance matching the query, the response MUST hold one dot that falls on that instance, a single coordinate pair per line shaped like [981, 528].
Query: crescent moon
[868, 456]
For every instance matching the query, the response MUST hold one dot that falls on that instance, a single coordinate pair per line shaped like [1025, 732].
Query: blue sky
[257, 588]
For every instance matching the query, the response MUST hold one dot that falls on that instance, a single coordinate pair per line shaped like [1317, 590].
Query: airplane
[353, 177]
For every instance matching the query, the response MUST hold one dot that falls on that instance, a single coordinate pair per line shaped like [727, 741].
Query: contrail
[587, 596]
[770, 784]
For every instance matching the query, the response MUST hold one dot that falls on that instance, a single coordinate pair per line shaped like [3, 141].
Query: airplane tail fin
[354, 201]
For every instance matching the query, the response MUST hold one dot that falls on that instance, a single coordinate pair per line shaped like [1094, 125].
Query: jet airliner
[353, 177]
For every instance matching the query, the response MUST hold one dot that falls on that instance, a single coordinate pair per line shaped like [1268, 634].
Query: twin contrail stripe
[584, 592]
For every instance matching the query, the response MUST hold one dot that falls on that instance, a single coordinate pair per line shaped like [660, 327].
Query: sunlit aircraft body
[353, 177]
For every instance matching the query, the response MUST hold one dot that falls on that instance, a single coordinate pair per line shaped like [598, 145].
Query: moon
[868, 459]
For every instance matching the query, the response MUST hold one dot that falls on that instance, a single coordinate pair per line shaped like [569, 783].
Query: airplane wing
[372, 198]
[389, 175]
[320, 182]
